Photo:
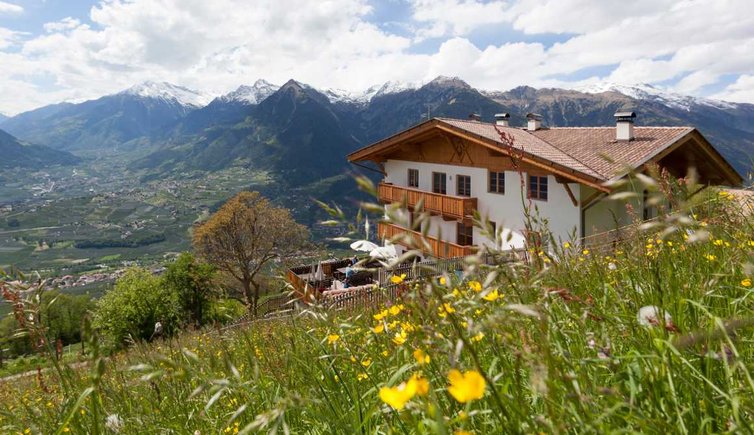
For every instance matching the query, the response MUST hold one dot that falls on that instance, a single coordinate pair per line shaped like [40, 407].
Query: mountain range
[16, 154]
[301, 134]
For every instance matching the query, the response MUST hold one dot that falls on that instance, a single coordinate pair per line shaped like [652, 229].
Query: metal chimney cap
[625, 116]
[534, 116]
[502, 115]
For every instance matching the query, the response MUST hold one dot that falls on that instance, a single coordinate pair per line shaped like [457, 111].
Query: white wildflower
[114, 423]
[649, 316]
[612, 266]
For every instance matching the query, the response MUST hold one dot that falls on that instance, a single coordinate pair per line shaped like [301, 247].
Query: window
[465, 235]
[413, 178]
[439, 183]
[538, 187]
[463, 185]
[497, 182]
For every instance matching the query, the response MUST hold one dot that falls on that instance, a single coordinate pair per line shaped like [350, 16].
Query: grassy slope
[561, 349]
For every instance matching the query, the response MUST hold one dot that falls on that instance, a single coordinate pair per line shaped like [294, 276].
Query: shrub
[131, 309]
[193, 282]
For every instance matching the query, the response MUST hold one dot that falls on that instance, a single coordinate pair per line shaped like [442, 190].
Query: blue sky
[56, 50]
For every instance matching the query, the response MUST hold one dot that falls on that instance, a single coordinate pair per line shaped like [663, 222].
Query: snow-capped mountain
[364, 97]
[170, 93]
[250, 95]
[645, 91]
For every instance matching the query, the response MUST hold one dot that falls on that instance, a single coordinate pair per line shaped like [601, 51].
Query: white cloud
[218, 45]
[742, 91]
[10, 8]
[67, 23]
[455, 17]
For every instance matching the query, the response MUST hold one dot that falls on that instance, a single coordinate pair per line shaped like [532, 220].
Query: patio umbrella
[363, 245]
[387, 252]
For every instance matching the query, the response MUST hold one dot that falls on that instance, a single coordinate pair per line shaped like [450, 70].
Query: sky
[74, 50]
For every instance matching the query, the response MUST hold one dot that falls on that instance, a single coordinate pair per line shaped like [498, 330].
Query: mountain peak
[254, 94]
[168, 92]
[449, 82]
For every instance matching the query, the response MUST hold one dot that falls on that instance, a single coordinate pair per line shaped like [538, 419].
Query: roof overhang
[375, 151]
[712, 156]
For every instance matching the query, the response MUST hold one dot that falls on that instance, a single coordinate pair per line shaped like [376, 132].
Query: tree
[245, 235]
[138, 301]
[193, 282]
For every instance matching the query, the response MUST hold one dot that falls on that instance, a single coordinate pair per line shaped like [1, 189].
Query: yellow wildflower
[585, 252]
[395, 310]
[465, 387]
[491, 296]
[361, 376]
[400, 338]
[710, 257]
[395, 279]
[379, 329]
[421, 357]
[566, 245]
[397, 397]
[385, 353]
[332, 338]
[475, 285]
[462, 432]
[746, 282]
[367, 362]
[718, 242]
[478, 337]
[381, 315]
[448, 308]
[443, 281]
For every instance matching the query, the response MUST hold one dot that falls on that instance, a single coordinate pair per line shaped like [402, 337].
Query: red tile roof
[590, 150]
[593, 152]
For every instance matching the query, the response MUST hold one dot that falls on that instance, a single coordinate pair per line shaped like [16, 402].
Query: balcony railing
[435, 247]
[456, 207]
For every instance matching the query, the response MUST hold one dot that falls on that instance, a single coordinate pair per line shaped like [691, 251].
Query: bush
[60, 313]
[225, 311]
[131, 309]
[193, 282]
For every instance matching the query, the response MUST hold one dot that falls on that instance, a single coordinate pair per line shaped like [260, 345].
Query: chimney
[624, 128]
[502, 119]
[475, 117]
[534, 121]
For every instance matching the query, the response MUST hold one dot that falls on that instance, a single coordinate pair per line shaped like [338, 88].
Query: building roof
[593, 153]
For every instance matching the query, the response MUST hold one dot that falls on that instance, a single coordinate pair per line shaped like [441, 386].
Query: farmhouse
[457, 167]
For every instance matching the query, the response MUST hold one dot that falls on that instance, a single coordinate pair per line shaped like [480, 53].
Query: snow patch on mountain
[255, 94]
[644, 91]
[170, 93]
[364, 97]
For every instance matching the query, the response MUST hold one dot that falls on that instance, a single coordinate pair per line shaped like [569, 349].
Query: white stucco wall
[506, 210]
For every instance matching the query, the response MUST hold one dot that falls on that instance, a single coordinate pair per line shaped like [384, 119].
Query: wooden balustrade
[435, 247]
[456, 207]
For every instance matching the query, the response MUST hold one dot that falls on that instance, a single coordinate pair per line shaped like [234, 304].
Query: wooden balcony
[454, 207]
[437, 248]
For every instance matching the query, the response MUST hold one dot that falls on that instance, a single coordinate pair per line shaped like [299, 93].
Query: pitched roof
[598, 148]
[584, 154]
[524, 141]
